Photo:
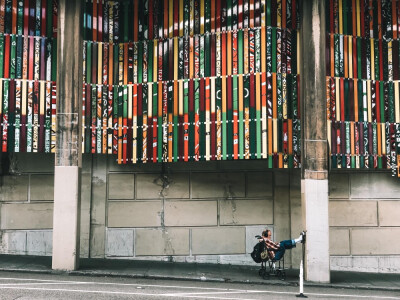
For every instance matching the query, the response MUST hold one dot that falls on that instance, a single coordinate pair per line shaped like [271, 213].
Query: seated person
[276, 250]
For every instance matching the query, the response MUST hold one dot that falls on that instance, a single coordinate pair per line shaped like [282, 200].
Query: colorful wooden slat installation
[363, 82]
[188, 80]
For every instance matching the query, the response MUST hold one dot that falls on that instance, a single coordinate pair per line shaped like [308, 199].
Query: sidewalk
[199, 272]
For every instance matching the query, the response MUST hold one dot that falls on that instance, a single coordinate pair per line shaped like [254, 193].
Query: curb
[202, 279]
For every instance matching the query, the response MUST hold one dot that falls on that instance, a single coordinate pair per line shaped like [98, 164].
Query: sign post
[301, 275]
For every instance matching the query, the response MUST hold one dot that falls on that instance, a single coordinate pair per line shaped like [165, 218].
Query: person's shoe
[303, 236]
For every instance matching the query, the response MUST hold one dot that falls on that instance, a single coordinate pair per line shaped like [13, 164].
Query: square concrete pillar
[315, 156]
[68, 152]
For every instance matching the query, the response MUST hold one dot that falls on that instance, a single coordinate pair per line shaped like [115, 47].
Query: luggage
[257, 250]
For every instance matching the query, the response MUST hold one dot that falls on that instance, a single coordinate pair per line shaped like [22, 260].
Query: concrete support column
[98, 211]
[68, 160]
[314, 186]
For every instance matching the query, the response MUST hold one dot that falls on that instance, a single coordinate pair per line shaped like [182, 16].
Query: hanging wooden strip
[99, 121]
[228, 15]
[13, 53]
[246, 107]
[164, 114]
[42, 107]
[93, 117]
[154, 121]
[246, 13]
[47, 127]
[205, 54]
[239, 14]
[246, 53]
[191, 17]
[196, 121]
[86, 101]
[223, 12]
[139, 124]
[234, 14]
[169, 121]
[133, 114]
[118, 96]
[241, 116]
[218, 112]
[235, 118]
[181, 120]
[191, 120]
[35, 130]
[251, 51]
[11, 116]
[197, 57]
[207, 118]
[228, 53]
[218, 54]
[252, 118]
[7, 58]
[215, 92]
[150, 122]
[397, 101]
[99, 63]
[100, 9]
[258, 119]
[104, 119]
[17, 122]
[53, 115]
[223, 54]
[113, 96]
[224, 117]
[237, 59]
[264, 115]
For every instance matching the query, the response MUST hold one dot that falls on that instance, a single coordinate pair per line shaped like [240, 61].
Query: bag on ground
[257, 250]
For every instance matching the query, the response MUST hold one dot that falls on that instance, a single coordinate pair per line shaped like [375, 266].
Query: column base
[315, 203]
[66, 218]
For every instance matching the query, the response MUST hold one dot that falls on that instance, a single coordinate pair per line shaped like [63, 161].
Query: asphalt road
[23, 286]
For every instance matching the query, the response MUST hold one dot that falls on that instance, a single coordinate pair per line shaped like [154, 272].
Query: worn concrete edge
[196, 278]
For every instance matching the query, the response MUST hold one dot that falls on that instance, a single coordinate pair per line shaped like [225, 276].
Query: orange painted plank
[394, 19]
[379, 138]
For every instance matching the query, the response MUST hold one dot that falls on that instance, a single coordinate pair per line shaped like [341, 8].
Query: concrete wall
[199, 212]
[364, 217]
[195, 212]
[26, 205]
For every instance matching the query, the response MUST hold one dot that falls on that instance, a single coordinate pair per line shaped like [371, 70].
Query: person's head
[267, 233]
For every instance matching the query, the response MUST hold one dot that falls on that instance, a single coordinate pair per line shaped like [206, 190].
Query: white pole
[301, 295]
[301, 277]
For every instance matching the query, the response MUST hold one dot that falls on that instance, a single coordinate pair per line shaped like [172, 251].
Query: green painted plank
[140, 62]
[269, 22]
[155, 118]
[150, 61]
[240, 52]
[13, 57]
[382, 101]
[89, 62]
[49, 20]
